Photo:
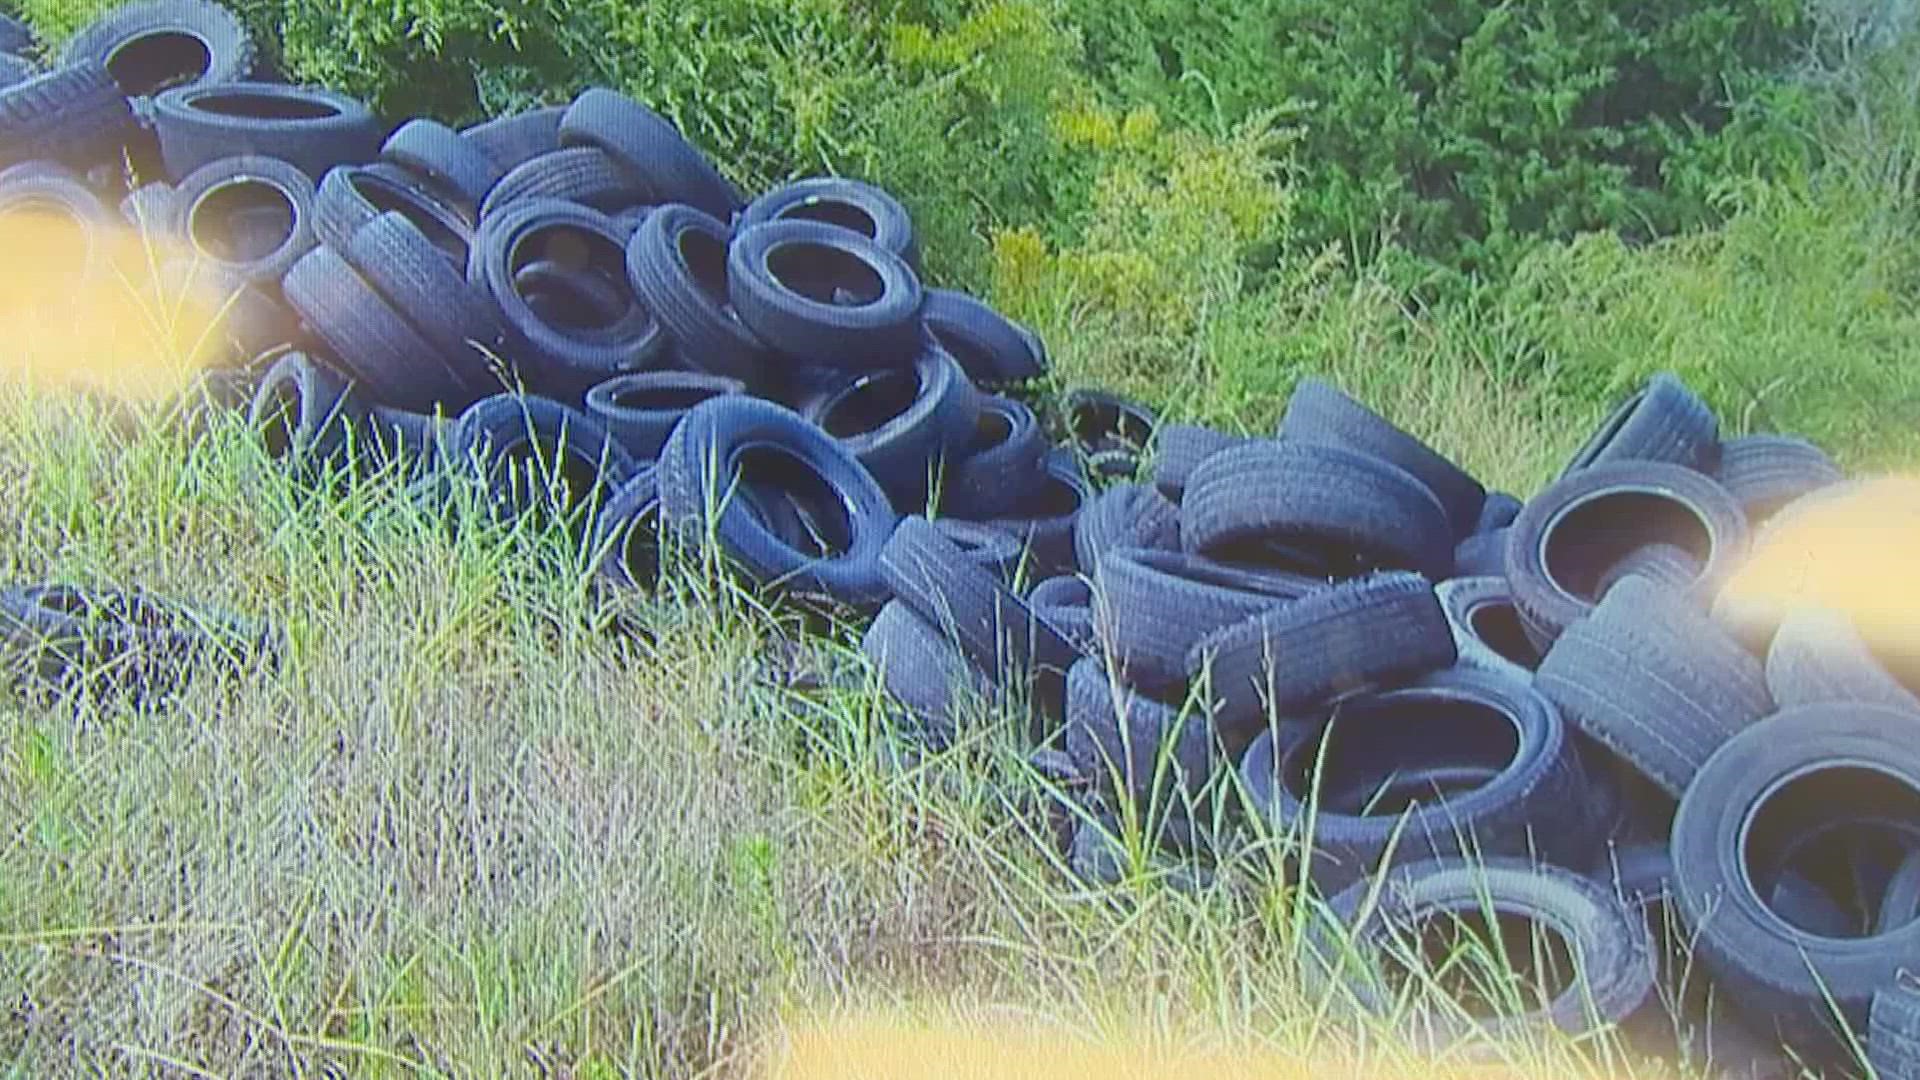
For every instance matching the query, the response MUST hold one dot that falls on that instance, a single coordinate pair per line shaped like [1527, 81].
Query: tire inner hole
[663, 398]
[280, 108]
[281, 419]
[579, 275]
[825, 274]
[1496, 623]
[871, 402]
[833, 212]
[151, 63]
[1593, 535]
[242, 220]
[1055, 499]
[777, 483]
[1491, 964]
[1823, 848]
[1389, 754]
[705, 258]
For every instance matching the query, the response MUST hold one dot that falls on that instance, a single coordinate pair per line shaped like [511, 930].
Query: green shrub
[1464, 131]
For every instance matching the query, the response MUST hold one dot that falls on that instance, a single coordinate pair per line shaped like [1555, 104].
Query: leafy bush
[1462, 131]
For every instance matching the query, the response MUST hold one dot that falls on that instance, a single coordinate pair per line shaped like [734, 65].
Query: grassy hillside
[478, 826]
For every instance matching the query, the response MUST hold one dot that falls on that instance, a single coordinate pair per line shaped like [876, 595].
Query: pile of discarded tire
[1449, 698]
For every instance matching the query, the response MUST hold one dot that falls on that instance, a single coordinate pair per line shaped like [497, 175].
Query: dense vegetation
[467, 829]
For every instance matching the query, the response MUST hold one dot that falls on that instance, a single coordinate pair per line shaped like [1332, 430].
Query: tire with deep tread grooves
[1662, 421]
[124, 43]
[677, 265]
[1349, 507]
[671, 169]
[1652, 679]
[1154, 605]
[74, 115]
[1319, 412]
[1327, 644]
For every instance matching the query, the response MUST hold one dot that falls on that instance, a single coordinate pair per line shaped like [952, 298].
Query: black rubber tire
[1126, 755]
[849, 204]
[921, 668]
[1044, 517]
[1498, 512]
[626, 533]
[1124, 516]
[1481, 555]
[1327, 644]
[671, 169]
[1065, 602]
[449, 312]
[677, 265]
[994, 350]
[412, 444]
[509, 141]
[1610, 940]
[992, 626]
[1486, 626]
[1893, 1033]
[373, 342]
[17, 36]
[903, 424]
[153, 45]
[581, 174]
[1320, 413]
[350, 196]
[706, 450]
[1662, 421]
[992, 476]
[1099, 420]
[29, 188]
[1666, 564]
[557, 360]
[1654, 681]
[444, 160]
[74, 115]
[985, 546]
[306, 412]
[1154, 605]
[1179, 449]
[149, 209]
[1784, 978]
[1766, 472]
[125, 643]
[231, 240]
[14, 69]
[312, 128]
[792, 308]
[1900, 902]
[1473, 763]
[1354, 512]
[1818, 657]
[1601, 513]
[501, 436]
[642, 410]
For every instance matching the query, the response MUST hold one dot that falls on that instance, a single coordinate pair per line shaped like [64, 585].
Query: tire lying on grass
[1663, 421]
[539, 456]
[306, 411]
[122, 643]
[1539, 946]
[1841, 765]
[732, 456]
[1457, 762]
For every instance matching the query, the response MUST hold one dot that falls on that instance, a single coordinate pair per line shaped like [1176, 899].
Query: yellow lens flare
[948, 1047]
[107, 309]
[1850, 549]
